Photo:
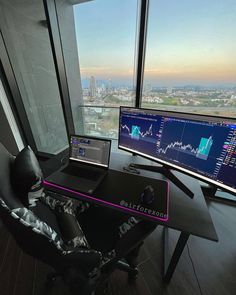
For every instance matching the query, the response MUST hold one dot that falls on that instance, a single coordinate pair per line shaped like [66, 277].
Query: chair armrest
[71, 232]
[60, 202]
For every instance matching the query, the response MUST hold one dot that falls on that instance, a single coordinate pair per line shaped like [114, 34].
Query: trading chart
[141, 131]
[205, 147]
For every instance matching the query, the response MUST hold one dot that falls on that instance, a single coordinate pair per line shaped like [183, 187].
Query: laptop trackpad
[82, 172]
[74, 182]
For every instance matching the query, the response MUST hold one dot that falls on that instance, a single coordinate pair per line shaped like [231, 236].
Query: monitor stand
[210, 190]
[213, 192]
[167, 173]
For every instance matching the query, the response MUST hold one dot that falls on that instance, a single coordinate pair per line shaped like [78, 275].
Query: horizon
[188, 42]
[125, 83]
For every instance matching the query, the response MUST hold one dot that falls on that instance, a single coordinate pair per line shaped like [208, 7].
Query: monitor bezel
[169, 164]
[87, 163]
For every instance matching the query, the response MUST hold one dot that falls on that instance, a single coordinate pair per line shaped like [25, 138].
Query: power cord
[194, 270]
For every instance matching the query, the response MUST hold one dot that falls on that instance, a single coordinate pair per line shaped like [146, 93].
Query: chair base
[121, 265]
[51, 279]
[132, 271]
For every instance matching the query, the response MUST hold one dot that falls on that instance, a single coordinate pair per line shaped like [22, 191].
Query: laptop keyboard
[82, 172]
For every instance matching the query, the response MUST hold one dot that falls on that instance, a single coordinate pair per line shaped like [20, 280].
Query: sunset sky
[187, 42]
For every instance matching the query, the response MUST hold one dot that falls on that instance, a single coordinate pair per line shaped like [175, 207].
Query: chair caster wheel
[132, 276]
[50, 282]
[106, 288]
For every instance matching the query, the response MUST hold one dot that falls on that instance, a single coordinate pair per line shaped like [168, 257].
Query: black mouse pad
[122, 191]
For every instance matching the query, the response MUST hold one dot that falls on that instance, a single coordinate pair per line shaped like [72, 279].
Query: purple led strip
[111, 204]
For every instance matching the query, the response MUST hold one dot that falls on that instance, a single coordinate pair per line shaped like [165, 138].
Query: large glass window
[99, 46]
[25, 32]
[190, 60]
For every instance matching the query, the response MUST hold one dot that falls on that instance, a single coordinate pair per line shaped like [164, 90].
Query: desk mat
[122, 191]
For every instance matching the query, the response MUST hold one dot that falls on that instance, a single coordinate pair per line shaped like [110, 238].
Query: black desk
[189, 216]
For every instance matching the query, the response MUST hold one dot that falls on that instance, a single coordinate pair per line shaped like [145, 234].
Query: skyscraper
[92, 86]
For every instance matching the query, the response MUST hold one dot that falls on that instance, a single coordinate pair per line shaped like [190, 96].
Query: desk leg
[171, 263]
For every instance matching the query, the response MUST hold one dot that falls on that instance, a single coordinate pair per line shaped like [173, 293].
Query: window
[190, 60]
[99, 46]
[27, 41]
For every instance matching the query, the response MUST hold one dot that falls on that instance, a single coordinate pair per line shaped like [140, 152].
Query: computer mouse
[147, 196]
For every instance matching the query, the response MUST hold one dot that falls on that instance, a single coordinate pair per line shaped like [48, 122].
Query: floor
[205, 267]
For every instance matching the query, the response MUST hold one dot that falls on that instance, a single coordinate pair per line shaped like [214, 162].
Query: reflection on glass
[190, 63]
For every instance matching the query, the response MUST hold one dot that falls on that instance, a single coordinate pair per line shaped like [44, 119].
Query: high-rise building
[92, 86]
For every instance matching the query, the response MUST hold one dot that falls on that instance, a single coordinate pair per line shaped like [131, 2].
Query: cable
[194, 270]
[131, 170]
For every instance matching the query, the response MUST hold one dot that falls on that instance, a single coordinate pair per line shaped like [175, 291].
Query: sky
[188, 42]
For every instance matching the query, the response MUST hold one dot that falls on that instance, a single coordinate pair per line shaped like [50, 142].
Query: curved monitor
[202, 146]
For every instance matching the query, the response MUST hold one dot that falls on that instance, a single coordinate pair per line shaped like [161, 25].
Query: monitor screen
[90, 150]
[202, 146]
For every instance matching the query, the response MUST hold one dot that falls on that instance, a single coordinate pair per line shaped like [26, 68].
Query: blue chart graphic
[179, 146]
[204, 148]
[135, 132]
[139, 132]
[201, 152]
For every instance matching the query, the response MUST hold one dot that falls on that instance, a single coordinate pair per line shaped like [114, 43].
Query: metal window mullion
[58, 57]
[141, 50]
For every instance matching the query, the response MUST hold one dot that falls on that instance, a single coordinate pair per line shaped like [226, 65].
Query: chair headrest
[26, 174]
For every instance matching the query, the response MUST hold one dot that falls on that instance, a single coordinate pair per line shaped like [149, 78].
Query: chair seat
[46, 215]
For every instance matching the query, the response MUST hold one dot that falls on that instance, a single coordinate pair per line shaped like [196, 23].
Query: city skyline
[188, 42]
[99, 82]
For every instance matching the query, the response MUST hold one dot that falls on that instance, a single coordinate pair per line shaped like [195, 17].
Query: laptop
[88, 164]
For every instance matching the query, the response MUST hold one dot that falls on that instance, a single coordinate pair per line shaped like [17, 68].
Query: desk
[189, 216]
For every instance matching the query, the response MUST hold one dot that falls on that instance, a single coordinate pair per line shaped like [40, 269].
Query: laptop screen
[90, 150]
